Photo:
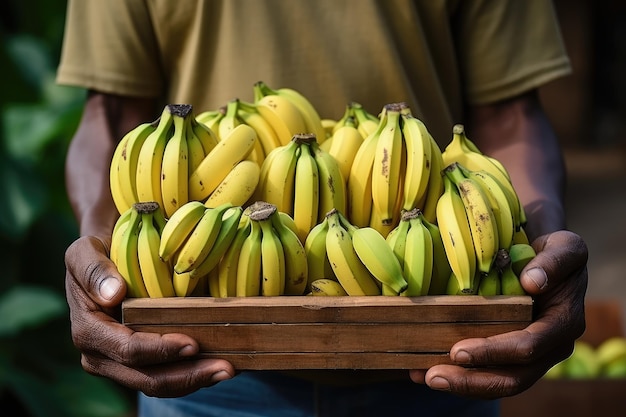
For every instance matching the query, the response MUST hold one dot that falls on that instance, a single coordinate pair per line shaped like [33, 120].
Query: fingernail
[187, 351]
[220, 376]
[538, 276]
[439, 383]
[462, 356]
[109, 288]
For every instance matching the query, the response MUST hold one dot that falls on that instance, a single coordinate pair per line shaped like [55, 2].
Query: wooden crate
[304, 332]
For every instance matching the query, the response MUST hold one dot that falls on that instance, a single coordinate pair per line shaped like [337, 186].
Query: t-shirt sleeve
[507, 47]
[110, 46]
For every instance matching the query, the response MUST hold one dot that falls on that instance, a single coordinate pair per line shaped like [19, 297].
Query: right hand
[158, 365]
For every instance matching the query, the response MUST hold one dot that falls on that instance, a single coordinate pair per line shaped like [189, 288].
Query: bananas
[271, 260]
[351, 273]
[456, 236]
[465, 152]
[482, 223]
[303, 181]
[266, 199]
[135, 251]
[220, 161]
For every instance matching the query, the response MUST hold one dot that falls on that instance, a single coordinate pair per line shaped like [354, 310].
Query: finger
[484, 383]
[560, 255]
[171, 380]
[87, 262]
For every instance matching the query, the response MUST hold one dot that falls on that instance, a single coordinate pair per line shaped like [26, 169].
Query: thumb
[559, 255]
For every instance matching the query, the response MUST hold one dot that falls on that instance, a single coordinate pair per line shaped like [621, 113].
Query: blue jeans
[270, 394]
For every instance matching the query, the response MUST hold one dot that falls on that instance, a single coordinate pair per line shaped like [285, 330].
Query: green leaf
[27, 306]
[87, 395]
[32, 56]
[23, 198]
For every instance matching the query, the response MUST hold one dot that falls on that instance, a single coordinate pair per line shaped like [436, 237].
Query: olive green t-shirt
[436, 55]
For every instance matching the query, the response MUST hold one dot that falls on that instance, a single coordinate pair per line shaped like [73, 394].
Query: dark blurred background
[40, 373]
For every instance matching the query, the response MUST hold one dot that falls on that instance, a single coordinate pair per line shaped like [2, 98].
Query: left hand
[509, 363]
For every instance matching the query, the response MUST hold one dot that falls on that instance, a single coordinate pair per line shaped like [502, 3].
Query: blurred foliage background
[40, 371]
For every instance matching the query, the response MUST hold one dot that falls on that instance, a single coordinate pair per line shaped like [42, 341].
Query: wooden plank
[303, 309]
[302, 361]
[333, 337]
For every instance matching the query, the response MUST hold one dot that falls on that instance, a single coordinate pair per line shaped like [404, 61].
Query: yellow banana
[148, 178]
[329, 125]
[127, 258]
[332, 184]
[441, 267]
[272, 260]
[227, 267]
[175, 165]
[480, 216]
[120, 224]
[387, 166]
[499, 204]
[207, 137]
[378, 257]
[220, 161]
[327, 287]
[310, 116]
[418, 160]
[230, 120]
[520, 236]
[318, 265]
[435, 184]
[284, 117]
[201, 241]
[353, 276]
[114, 183]
[418, 258]
[249, 264]
[396, 239]
[266, 134]
[179, 227]
[127, 160]
[346, 142]
[306, 191]
[195, 148]
[359, 183]
[296, 268]
[210, 120]
[156, 273]
[228, 228]
[366, 122]
[237, 187]
[276, 183]
[456, 236]
[459, 150]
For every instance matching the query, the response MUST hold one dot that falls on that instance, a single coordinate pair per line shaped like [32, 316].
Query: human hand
[507, 364]
[158, 365]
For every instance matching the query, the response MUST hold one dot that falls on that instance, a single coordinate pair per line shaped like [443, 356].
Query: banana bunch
[176, 159]
[194, 240]
[153, 161]
[302, 180]
[418, 245]
[288, 111]
[477, 224]
[391, 171]
[462, 150]
[361, 261]
[135, 251]
[265, 258]
[236, 112]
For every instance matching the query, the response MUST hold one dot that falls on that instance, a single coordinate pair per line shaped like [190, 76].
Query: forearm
[105, 120]
[518, 133]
